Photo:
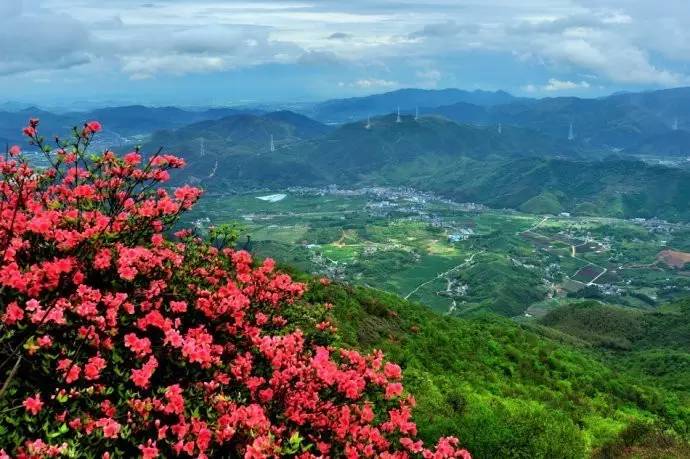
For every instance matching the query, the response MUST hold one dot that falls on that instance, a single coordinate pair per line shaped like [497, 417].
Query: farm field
[459, 258]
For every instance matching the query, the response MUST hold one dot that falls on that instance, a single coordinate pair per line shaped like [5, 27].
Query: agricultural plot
[674, 258]
[457, 258]
[588, 274]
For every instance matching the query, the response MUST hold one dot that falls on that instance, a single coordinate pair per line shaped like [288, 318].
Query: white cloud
[558, 85]
[445, 29]
[608, 38]
[618, 61]
[605, 42]
[140, 68]
[30, 39]
[621, 42]
[431, 74]
[373, 83]
[428, 78]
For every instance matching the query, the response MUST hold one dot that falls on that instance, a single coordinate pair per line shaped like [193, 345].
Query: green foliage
[501, 286]
[602, 325]
[643, 440]
[225, 235]
[649, 344]
[507, 391]
[545, 203]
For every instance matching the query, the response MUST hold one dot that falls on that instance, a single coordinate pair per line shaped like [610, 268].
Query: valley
[564, 334]
[460, 258]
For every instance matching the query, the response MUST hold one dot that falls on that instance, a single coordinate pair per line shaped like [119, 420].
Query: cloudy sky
[199, 52]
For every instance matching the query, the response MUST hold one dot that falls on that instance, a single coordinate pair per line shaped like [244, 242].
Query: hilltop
[235, 151]
[354, 151]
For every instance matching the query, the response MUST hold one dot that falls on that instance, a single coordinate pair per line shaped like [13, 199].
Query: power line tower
[202, 147]
[368, 125]
[273, 145]
[398, 120]
[571, 133]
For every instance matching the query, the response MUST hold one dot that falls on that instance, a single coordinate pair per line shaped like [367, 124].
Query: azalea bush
[121, 339]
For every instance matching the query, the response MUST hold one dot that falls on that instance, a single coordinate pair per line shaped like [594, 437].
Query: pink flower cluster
[126, 341]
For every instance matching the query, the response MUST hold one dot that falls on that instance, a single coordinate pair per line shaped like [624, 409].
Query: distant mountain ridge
[630, 122]
[243, 132]
[627, 122]
[345, 110]
[122, 121]
[653, 123]
[355, 150]
[134, 118]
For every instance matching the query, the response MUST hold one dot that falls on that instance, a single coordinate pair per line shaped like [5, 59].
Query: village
[455, 256]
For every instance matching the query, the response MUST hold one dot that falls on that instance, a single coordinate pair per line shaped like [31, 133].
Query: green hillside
[234, 152]
[499, 286]
[509, 391]
[545, 203]
[650, 344]
[516, 168]
[617, 188]
[356, 151]
[636, 122]
[238, 134]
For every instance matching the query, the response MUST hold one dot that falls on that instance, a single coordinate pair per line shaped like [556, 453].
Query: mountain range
[630, 122]
[514, 168]
[654, 123]
[119, 122]
[487, 147]
[356, 108]
[586, 379]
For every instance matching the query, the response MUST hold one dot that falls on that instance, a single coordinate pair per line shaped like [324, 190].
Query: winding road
[442, 275]
[535, 226]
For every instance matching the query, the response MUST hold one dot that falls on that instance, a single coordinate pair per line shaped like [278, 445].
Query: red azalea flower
[33, 404]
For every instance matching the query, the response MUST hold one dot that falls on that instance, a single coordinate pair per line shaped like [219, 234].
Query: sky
[224, 52]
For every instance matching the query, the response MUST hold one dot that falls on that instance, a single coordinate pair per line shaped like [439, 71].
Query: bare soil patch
[673, 258]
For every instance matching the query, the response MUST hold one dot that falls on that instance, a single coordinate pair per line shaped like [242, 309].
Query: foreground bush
[118, 341]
